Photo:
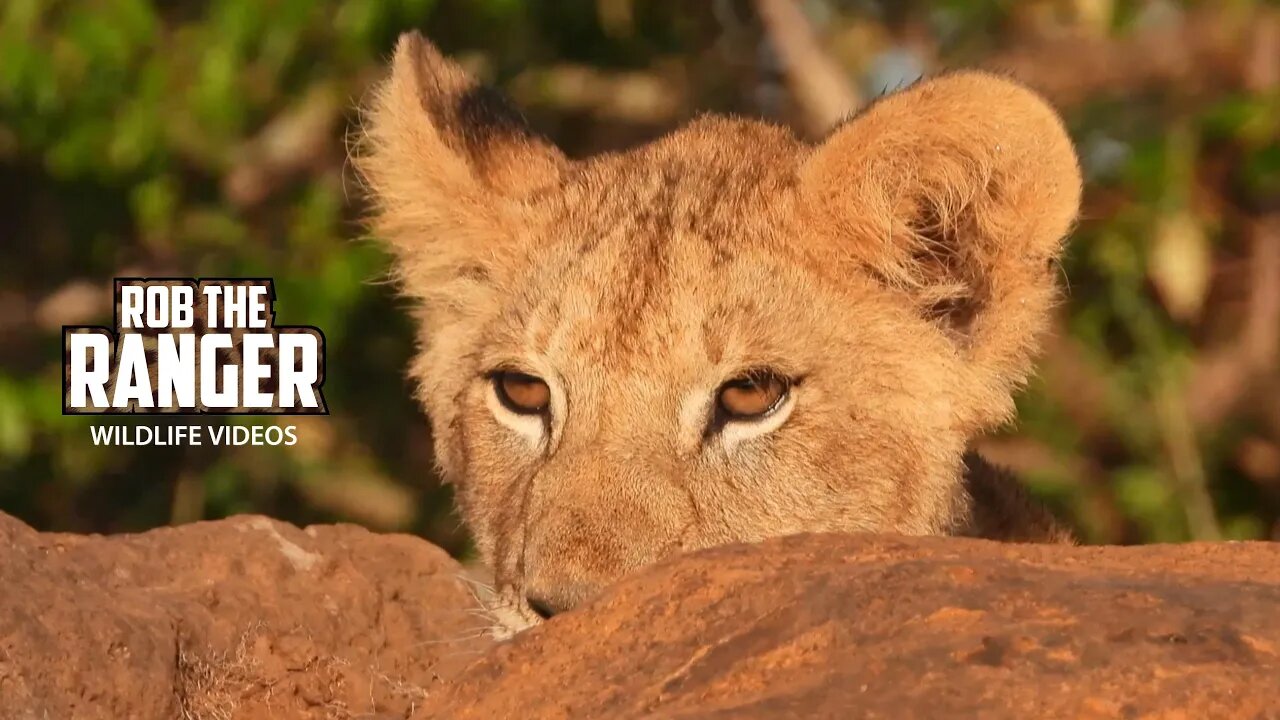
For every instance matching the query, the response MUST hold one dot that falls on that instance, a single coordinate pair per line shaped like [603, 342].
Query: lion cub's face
[725, 335]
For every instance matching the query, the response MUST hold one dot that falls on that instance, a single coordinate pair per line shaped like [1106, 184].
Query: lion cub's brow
[646, 247]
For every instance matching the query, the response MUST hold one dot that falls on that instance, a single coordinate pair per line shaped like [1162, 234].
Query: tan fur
[901, 270]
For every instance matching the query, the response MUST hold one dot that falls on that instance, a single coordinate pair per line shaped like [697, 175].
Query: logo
[189, 346]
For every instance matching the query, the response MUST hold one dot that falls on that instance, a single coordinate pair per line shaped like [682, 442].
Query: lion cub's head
[724, 335]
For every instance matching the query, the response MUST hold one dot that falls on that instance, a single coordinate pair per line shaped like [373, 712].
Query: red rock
[865, 627]
[242, 618]
[252, 618]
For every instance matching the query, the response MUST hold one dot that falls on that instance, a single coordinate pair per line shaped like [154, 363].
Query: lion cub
[726, 334]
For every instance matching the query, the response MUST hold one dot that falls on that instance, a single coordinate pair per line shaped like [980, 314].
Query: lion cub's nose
[554, 598]
[544, 609]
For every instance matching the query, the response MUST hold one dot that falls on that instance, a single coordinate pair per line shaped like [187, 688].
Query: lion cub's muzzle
[568, 566]
[547, 599]
[557, 584]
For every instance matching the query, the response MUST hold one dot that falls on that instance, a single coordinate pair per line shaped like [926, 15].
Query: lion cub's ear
[446, 161]
[958, 191]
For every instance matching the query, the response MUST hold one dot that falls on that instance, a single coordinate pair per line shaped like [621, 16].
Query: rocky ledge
[249, 618]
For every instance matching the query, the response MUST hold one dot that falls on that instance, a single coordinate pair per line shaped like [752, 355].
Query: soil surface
[253, 618]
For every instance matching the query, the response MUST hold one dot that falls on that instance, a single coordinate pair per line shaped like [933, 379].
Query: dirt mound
[243, 618]
[252, 618]
[862, 627]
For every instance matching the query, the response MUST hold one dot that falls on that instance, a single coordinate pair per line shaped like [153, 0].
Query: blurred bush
[208, 138]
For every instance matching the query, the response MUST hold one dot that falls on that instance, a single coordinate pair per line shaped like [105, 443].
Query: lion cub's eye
[521, 393]
[752, 396]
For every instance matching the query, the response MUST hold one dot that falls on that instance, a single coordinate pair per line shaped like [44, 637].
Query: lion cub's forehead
[667, 252]
[705, 179]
